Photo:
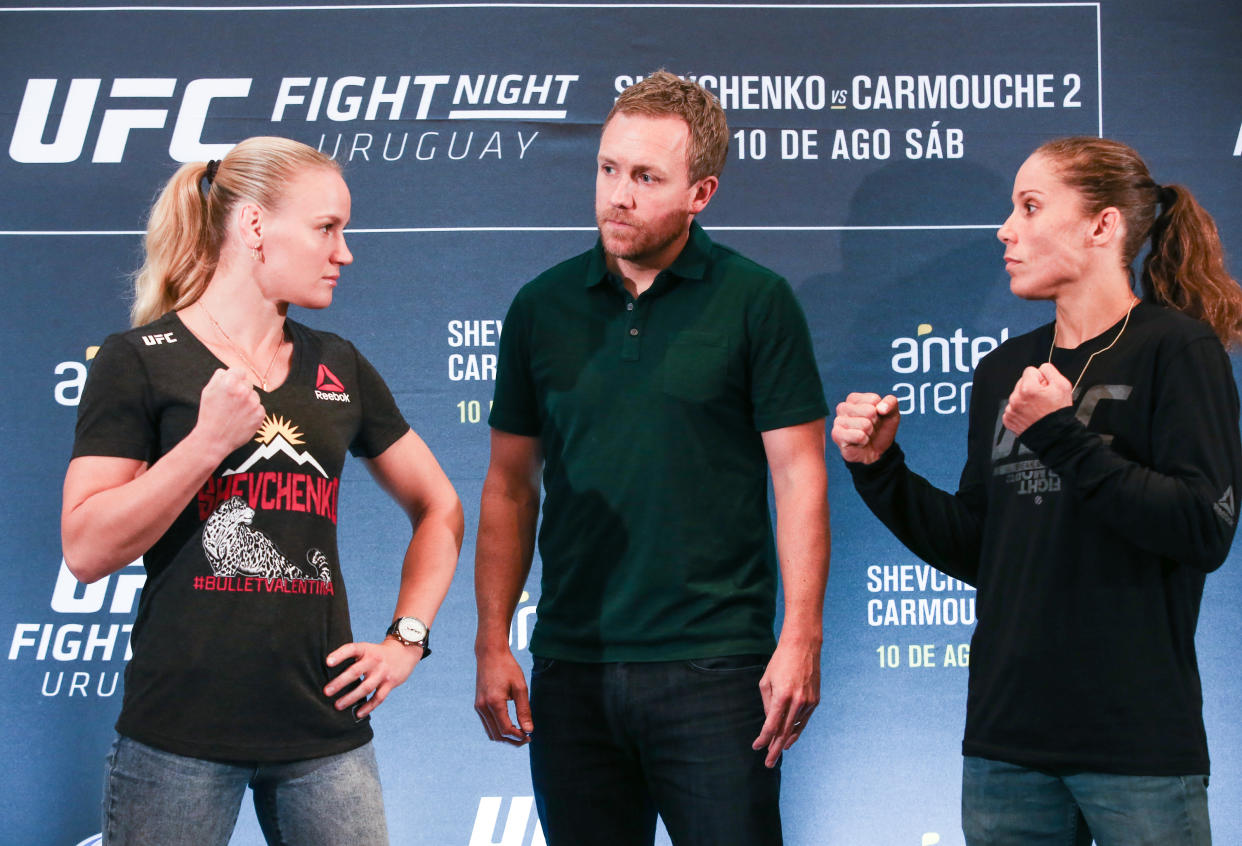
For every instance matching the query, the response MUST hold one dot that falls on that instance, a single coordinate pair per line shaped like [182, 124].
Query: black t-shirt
[244, 596]
[1088, 538]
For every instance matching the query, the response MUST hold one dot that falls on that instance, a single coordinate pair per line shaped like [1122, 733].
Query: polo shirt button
[629, 306]
[633, 331]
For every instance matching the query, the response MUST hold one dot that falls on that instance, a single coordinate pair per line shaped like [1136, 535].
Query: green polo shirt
[656, 541]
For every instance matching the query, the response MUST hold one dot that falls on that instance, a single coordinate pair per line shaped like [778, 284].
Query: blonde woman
[210, 441]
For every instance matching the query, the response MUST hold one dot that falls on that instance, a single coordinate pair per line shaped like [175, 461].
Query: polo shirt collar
[691, 263]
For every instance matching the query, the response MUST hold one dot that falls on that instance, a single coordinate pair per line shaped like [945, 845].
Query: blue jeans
[616, 744]
[1005, 804]
[156, 797]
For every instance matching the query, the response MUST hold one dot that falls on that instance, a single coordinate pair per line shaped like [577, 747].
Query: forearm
[937, 526]
[800, 486]
[503, 554]
[1170, 514]
[410, 474]
[104, 530]
[790, 684]
[430, 561]
[426, 574]
[803, 542]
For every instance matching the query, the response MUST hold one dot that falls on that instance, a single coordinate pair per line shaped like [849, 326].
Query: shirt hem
[512, 428]
[661, 652]
[1115, 765]
[252, 752]
[793, 417]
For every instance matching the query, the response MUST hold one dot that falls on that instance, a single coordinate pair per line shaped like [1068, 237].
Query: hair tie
[212, 167]
[1166, 195]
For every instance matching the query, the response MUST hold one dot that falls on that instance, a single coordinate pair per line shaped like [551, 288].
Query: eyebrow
[635, 168]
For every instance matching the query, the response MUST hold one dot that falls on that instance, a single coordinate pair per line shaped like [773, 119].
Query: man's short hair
[664, 94]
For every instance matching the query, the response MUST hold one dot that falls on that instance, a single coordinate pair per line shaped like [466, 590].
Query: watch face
[411, 629]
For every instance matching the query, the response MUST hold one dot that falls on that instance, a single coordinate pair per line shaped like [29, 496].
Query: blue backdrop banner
[872, 153]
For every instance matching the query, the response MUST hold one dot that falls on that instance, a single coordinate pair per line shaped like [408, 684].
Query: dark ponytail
[1185, 268]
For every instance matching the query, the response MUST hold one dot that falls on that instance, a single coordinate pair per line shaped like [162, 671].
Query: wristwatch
[412, 632]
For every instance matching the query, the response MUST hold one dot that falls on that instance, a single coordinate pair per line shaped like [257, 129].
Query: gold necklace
[262, 378]
[1133, 302]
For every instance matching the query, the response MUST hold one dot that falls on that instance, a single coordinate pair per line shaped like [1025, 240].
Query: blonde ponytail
[178, 261]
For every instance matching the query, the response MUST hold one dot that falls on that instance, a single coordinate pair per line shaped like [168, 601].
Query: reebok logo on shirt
[328, 387]
[1224, 506]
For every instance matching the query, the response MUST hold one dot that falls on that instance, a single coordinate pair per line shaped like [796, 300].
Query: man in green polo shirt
[655, 380]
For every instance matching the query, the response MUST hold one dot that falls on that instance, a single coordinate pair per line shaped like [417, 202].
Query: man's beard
[643, 239]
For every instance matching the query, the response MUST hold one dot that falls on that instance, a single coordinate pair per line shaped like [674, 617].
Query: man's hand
[790, 691]
[499, 680]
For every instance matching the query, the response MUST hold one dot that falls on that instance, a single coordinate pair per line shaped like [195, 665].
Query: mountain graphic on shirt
[278, 436]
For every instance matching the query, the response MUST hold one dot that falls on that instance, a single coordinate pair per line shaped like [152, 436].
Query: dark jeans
[615, 744]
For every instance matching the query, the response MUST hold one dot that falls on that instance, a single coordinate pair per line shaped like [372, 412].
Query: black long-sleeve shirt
[1088, 540]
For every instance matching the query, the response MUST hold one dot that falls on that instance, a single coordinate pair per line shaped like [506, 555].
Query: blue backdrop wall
[872, 156]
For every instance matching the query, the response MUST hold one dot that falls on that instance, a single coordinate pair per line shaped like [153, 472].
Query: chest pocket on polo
[695, 366]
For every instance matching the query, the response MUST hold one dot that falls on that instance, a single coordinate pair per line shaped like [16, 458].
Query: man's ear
[702, 193]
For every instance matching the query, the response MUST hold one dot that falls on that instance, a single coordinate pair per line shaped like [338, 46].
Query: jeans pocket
[541, 666]
[723, 664]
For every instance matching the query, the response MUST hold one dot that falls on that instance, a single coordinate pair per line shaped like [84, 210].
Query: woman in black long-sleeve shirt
[1099, 490]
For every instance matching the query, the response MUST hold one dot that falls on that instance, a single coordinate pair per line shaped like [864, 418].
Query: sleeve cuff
[1050, 429]
[864, 474]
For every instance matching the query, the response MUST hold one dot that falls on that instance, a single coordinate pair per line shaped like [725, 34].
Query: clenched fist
[865, 426]
[1038, 393]
[229, 411]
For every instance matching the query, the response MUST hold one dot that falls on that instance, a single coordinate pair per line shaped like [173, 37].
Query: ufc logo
[1005, 443]
[185, 145]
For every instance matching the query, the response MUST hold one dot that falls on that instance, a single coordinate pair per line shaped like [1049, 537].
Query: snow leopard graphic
[233, 548]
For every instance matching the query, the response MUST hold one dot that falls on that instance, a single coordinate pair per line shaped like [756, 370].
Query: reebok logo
[1224, 506]
[326, 381]
[328, 387]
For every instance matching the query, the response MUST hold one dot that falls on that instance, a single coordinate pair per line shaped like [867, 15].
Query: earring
[255, 254]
